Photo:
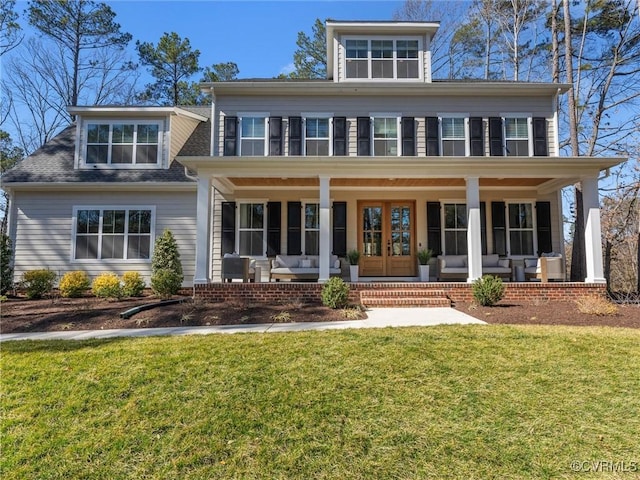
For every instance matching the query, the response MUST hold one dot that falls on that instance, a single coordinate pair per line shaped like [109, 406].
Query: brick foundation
[283, 292]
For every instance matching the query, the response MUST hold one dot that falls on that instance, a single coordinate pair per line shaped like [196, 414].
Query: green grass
[443, 402]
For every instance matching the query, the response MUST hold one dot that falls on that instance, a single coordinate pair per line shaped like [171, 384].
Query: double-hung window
[113, 233]
[317, 138]
[123, 143]
[357, 58]
[407, 65]
[251, 229]
[385, 136]
[455, 228]
[311, 229]
[454, 138]
[521, 229]
[382, 58]
[516, 135]
[253, 136]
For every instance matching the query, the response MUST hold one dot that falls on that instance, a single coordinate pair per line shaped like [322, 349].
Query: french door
[387, 238]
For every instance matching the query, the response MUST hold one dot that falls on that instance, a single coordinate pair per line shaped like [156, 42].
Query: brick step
[405, 301]
[403, 292]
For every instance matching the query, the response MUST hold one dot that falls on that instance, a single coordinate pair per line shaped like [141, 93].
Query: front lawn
[442, 402]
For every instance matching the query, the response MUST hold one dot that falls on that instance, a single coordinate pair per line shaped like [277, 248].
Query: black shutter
[495, 137]
[433, 141]
[230, 136]
[408, 136]
[540, 137]
[543, 221]
[364, 136]
[483, 227]
[434, 229]
[273, 228]
[228, 227]
[340, 229]
[294, 228]
[499, 223]
[476, 136]
[339, 136]
[275, 136]
[295, 136]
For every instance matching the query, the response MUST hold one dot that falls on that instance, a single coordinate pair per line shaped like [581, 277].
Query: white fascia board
[134, 112]
[105, 186]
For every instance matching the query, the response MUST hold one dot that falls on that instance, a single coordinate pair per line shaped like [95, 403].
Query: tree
[166, 268]
[310, 59]
[9, 27]
[221, 72]
[10, 155]
[6, 268]
[172, 63]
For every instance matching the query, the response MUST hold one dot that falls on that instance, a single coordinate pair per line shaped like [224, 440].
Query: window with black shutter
[408, 136]
[295, 136]
[364, 136]
[340, 228]
[230, 136]
[273, 228]
[543, 226]
[432, 138]
[294, 228]
[339, 136]
[499, 227]
[434, 229]
[540, 137]
[228, 227]
[275, 136]
[476, 136]
[496, 148]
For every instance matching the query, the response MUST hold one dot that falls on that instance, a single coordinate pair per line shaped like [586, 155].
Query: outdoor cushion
[490, 260]
[454, 261]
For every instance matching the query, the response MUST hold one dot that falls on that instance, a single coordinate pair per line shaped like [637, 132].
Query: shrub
[166, 268]
[488, 290]
[132, 284]
[38, 283]
[74, 284]
[424, 255]
[335, 293]
[107, 285]
[353, 257]
[6, 270]
[165, 283]
[596, 306]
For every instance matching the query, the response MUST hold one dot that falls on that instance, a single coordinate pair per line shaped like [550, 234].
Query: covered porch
[397, 191]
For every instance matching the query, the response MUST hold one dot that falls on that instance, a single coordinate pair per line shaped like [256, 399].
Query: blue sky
[260, 36]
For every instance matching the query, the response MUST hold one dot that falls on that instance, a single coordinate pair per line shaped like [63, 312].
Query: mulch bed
[90, 313]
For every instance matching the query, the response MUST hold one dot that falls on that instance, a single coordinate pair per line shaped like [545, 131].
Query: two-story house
[378, 157]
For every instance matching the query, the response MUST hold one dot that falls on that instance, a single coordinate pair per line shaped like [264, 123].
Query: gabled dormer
[379, 51]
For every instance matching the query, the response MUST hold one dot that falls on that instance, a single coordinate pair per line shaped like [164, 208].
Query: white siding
[44, 230]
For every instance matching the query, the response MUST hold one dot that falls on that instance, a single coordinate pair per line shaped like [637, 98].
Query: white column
[474, 235]
[202, 230]
[592, 231]
[325, 229]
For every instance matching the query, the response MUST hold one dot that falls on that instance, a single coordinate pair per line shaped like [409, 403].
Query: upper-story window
[252, 135]
[316, 134]
[454, 137]
[123, 143]
[385, 136]
[516, 135]
[382, 58]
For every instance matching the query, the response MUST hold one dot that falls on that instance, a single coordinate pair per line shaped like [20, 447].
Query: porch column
[202, 230]
[592, 231]
[325, 229]
[474, 235]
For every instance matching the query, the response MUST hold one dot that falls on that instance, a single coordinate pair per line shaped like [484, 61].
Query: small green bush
[335, 293]
[165, 282]
[488, 290]
[107, 285]
[74, 284]
[132, 284]
[38, 283]
[6, 270]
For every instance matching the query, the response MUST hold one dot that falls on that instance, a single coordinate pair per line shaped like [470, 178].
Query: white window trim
[534, 228]
[265, 116]
[369, 78]
[303, 238]
[264, 202]
[467, 140]
[84, 136]
[529, 117]
[450, 201]
[313, 115]
[398, 117]
[102, 208]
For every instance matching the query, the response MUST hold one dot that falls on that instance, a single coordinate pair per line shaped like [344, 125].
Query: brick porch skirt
[282, 292]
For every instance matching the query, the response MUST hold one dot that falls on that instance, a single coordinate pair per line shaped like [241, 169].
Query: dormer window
[382, 58]
[123, 143]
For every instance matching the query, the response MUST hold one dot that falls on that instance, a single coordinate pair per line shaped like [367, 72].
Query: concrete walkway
[378, 318]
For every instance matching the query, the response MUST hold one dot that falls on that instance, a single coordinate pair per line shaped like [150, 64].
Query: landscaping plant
[166, 268]
[107, 285]
[74, 284]
[6, 270]
[353, 256]
[38, 283]
[593, 305]
[132, 284]
[424, 255]
[488, 290]
[335, 293]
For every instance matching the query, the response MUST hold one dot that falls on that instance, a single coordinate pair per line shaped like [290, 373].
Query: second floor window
[453, 137]
[382, 58]
[317, 136]
[516, 134]
[123, 144]
[252, 136]
[385, 136]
